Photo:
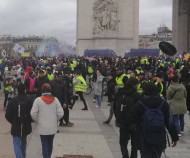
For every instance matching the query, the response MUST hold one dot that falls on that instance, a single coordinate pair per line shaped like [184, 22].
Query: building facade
[152, 41]
[30, 44]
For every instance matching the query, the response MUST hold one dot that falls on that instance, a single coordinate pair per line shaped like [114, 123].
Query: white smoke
[51, 47]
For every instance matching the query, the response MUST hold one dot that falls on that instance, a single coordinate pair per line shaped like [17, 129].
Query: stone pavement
[87, 137]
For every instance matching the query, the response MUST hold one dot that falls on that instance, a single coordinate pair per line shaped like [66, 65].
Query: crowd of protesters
[135, 84]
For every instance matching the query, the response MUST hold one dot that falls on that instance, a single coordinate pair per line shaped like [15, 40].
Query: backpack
[154, 125]
[122, 107]
[22, 110]
[32, 81]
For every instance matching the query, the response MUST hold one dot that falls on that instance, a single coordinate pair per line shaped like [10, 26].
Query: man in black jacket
[111, 88]
[42, 79]
[129, 99]
[151, 100]
[58, 89]
[18, 114]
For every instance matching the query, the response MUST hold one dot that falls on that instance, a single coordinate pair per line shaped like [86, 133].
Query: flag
[187, 57]
[18, 48]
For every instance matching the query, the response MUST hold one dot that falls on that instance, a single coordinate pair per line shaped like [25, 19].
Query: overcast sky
[58, 17]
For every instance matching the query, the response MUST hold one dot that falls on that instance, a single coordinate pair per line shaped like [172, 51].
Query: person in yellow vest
[72, 65]
[8, 90]
[50, 75]
[80, 87]
[142, 82]
[158, 82]
[121, 78]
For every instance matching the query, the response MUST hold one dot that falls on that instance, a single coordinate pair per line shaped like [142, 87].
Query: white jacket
[46, 115]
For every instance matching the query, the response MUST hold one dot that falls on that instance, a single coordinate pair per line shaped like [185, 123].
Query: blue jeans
[179, 122]
[99, 99]
[47, 145]
[19, 146]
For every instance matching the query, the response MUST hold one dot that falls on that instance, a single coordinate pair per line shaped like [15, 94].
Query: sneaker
[179, 135]
[97, 106]
[62, 124]
[84, 109]
[70, 124]
[182, 132]
[94, 101]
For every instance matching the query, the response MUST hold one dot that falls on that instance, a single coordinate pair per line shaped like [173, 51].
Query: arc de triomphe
[107, 24]
[114, 24]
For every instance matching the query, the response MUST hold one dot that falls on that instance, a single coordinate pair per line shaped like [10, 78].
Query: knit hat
[21, 88]
[150, 89]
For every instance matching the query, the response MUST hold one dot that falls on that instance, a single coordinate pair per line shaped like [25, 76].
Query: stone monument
[107, 24]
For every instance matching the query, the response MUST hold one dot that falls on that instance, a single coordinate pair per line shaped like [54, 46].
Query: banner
[18, 48]
[25, 54]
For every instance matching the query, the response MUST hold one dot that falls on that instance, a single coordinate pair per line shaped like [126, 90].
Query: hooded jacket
[137, 115]
[12, 116]
[46, 111]
[38, 84]
[178, 102]
[28, 69]
[59, 89]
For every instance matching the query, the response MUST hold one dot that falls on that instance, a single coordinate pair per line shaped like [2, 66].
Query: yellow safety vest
[75, 63]
[50, 77]
[139, 88]
[9, 88]
[81, 86]
[162, 88]
[119, 81]
[90, 70]
[72, 67]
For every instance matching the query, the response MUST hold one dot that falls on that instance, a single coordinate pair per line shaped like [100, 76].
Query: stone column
[181, 25]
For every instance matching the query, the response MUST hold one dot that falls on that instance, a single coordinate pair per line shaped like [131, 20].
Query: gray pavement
[87, 137]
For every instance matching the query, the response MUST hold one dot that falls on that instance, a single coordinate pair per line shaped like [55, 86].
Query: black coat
[137, 115]
[111, 85]
[131, 97]
[188, 97]
[12, 116]
[38, 84]
[58, 89]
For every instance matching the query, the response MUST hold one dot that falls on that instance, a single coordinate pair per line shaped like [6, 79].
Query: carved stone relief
[105, 17]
